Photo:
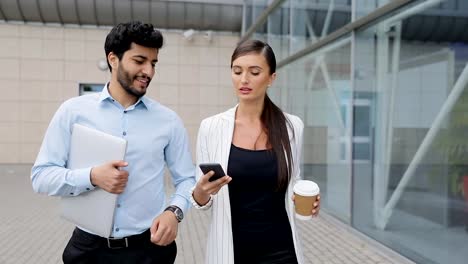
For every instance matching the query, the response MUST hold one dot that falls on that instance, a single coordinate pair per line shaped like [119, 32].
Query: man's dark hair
[123, 35]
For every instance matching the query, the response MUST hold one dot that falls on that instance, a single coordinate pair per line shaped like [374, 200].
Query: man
[145, 226]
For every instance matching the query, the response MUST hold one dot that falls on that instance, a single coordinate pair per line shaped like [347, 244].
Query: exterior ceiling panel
[193, 14]
[30, 10]
[230, 18]
[105, 12]
[123, 11]
[67, 11]
[445, 29]
[459, 29]
[141, 10]
[445, 22]
[49, 11]
[176, 13]
[210, 21]
[171, 14]
[159, 14]
[11, 10]
[86, 12]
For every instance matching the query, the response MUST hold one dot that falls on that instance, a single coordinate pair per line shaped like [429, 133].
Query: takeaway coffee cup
[305, 195]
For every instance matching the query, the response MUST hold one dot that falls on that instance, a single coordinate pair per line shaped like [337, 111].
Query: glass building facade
[382, 88]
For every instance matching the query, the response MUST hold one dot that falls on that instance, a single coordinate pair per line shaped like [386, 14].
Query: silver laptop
[92, 211]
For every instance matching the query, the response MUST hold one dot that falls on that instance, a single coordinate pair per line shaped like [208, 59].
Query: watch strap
[179, 214]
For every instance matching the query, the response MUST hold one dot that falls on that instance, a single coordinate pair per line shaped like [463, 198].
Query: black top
[260, 225]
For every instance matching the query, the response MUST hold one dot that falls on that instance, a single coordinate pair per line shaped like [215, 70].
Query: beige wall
[41, 66]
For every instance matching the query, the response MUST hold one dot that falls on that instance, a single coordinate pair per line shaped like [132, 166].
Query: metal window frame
[343, 31]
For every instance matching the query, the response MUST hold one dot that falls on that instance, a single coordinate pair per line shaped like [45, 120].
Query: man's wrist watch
[177, 211]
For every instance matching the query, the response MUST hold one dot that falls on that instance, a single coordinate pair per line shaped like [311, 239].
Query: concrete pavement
[31, 231]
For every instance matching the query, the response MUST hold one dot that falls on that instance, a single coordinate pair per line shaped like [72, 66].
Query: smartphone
[216, 167]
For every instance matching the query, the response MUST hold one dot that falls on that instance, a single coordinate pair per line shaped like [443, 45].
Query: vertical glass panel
[364, 7]
[362, 120]
[313, 20]
[413, 196]
[314, 88]
[296, 24]
[278, 31]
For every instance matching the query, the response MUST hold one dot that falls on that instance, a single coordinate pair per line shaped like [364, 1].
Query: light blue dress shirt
[156, 137]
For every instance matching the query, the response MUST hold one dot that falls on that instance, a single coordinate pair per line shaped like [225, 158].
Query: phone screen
[216, 167]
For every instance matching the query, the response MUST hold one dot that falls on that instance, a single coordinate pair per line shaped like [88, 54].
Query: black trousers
[84, 248]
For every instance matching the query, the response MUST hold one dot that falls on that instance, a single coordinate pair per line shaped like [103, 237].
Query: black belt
[116, 243]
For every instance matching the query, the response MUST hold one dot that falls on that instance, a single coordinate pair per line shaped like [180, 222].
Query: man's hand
[109, 177]
[164, 229]
[205, 188]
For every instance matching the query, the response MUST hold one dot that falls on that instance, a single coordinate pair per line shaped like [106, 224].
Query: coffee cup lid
[306, 188]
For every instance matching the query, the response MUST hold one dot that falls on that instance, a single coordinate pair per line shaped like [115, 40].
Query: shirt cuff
[180, 202]
[82, 179]
[196, 205]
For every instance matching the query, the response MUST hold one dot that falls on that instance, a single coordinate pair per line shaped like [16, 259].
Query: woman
[253, 217]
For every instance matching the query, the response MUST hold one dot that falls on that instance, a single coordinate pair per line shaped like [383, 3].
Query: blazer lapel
[227, 134]
[228, 131]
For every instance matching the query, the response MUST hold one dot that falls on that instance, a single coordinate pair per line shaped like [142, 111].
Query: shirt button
[117, 229]
[87, 189]
[124, 133]
[118, 205]
[71, 193]
[125, 111]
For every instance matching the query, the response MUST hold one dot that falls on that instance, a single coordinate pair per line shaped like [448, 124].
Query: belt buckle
[116, 243]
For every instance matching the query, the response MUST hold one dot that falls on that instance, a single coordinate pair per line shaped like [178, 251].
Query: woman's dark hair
[273, 120]
[123, 35]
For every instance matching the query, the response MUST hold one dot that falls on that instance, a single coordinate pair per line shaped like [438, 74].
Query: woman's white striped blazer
[213, 145]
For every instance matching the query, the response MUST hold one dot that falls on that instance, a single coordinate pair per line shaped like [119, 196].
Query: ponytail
[276, 126]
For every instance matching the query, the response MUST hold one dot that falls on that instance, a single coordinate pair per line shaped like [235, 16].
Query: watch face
[179, 214]
[177, 211]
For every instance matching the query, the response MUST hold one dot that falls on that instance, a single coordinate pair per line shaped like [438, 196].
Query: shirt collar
[106, 95]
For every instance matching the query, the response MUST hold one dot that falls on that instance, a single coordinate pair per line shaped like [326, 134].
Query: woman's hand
[205, 188]
[316, 208]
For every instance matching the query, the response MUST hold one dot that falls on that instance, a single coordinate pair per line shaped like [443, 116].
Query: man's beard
[126, 81]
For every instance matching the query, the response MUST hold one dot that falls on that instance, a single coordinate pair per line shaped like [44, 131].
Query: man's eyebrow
[140, 57]
[144, 58]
